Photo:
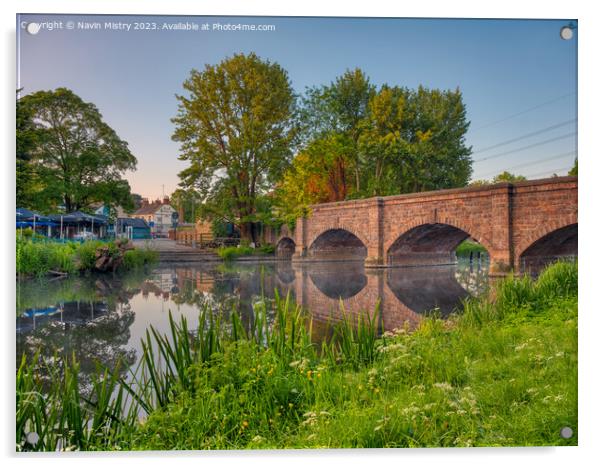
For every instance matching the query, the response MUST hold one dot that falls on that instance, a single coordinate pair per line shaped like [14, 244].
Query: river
[104, 317]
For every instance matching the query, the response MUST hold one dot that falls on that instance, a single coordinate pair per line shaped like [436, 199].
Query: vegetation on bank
[468, 246]
[39, 258]
[234, 252]
[503, 372]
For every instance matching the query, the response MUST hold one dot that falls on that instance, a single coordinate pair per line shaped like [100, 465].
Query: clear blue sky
[502, 67]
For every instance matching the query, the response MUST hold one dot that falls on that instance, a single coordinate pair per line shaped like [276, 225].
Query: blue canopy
[26, 215]
[80, 218]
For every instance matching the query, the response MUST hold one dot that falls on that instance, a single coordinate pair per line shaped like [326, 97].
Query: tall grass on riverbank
[502, 373]
[44, 257]
[234, 252]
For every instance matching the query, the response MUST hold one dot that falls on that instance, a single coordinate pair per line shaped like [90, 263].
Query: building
[132, 228]
[159, 215]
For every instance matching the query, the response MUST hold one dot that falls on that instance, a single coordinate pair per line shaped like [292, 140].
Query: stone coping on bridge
[441, 194]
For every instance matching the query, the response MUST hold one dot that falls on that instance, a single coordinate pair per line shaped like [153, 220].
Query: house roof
[149, 209]
[133, 222]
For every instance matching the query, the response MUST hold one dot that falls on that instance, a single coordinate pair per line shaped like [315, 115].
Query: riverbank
[40, 258]
[504, 372]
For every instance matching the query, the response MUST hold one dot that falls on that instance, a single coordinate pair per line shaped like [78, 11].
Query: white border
[590, 106]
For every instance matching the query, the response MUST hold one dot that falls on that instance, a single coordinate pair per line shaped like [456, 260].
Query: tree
[187, 201]
[77, 158]
[508, 178]
[25, 145]
[322, 172]
[340, 108]
[573, 171]
[236, 129]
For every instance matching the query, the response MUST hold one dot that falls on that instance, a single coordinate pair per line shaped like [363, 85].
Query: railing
[204, 241]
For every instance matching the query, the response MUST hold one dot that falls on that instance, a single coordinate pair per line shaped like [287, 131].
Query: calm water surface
[104, 317]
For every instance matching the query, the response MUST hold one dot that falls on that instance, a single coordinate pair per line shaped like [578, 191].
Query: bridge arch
[340, 284]
[285, 247]
[429, 243]
[337, 244]
[558, 239]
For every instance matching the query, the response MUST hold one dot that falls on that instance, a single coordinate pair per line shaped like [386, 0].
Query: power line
[558, 138]
[556, 170]
[526, 136]
[554, 157]
[514, 115]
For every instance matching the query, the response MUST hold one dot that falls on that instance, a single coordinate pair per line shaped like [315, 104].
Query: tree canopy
[73, 156]
[360, 141]
[236, 129]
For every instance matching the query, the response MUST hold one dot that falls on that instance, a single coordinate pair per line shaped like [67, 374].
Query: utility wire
[556, 170]
[509, 117]
[554, 157]
[558, 138]
[526, 136]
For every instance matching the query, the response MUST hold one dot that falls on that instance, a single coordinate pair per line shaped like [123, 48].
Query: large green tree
[77, 158]
[339, 107]
[236, 129]
[25, 143]
[413, 140]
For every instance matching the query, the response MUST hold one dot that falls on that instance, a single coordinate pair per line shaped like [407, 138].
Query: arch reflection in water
[106, 317]
[402, 295]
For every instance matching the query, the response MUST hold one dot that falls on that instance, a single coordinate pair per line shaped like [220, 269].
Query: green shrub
[137, 258]
[38, 259]
[232, 252]
[267, 249]
[86, 254]
[468, 246]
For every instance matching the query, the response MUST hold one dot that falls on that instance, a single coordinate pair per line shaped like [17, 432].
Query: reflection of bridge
[515, 222]
[402, 295]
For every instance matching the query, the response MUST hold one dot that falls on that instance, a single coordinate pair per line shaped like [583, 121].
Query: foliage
[361, 142]
[75, 158]
[62, 418]
[139, 257]
[503, 373]
[573, 171]
[236, 130]
[189, 202]
[468, 246]
[508, 177]
[27, 185]
[232, 252]
[338, 109]
[504, 177]
[38, 258]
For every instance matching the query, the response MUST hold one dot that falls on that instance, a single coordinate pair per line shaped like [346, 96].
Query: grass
[233, 252]
[139, 257]
[504, 372]
[43, 257]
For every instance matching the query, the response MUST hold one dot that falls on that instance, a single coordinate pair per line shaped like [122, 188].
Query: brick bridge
[515, 222]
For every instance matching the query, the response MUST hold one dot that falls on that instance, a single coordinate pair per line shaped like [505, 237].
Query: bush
[86, 254]
[40, 258]
[233, 252]
[468, 246]
[137, 258]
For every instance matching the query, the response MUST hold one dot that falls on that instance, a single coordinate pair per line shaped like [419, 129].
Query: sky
[518, 78]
